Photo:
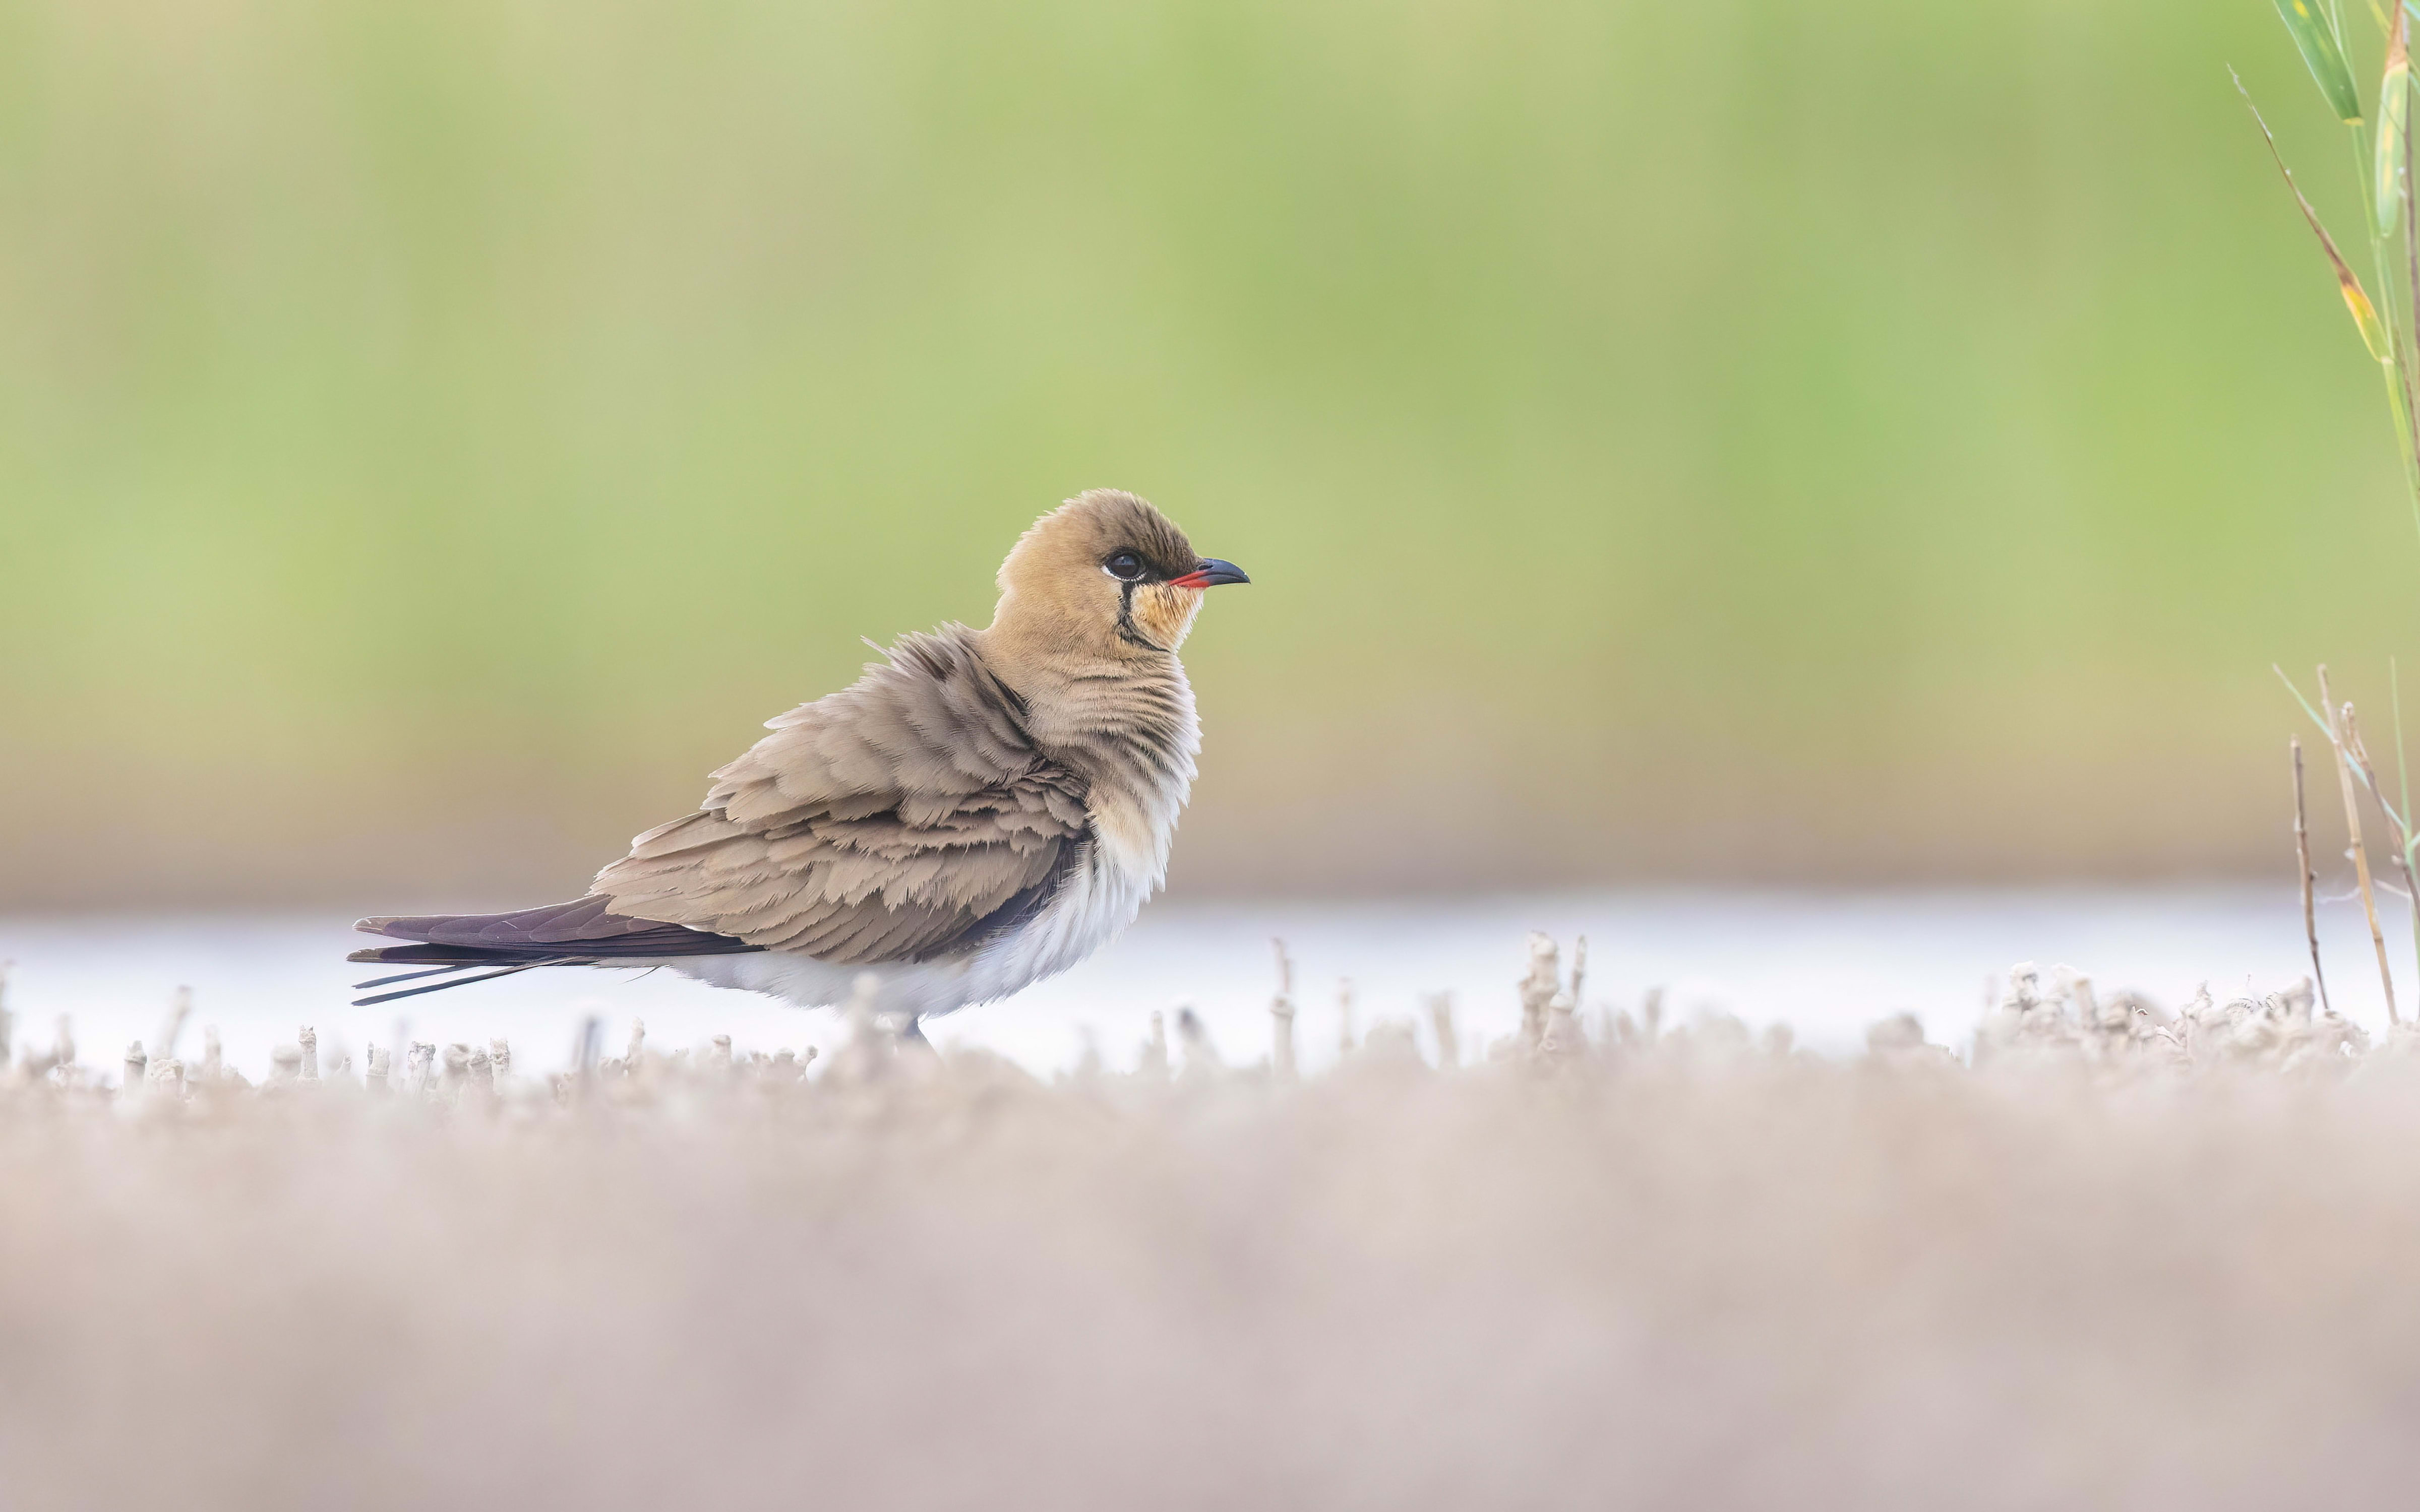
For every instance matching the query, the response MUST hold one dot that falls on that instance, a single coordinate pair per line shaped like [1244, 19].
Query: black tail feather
[458, 982]
[430, 955]
[585, 927]
[407, 976]
[584, 932]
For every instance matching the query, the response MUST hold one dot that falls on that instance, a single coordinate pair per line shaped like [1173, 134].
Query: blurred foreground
[2119, 1259]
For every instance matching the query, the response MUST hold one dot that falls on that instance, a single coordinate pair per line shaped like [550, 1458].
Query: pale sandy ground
[2122, 1262]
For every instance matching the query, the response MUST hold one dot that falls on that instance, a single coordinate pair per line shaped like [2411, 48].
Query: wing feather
[884, 823]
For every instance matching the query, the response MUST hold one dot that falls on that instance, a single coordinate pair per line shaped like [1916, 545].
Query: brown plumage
[880, 824]
[982, 809]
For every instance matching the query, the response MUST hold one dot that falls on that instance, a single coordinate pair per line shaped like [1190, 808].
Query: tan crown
[1059, 604]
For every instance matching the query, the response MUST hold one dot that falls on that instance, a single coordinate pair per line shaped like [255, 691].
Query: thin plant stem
[2360, 757]
[2410, 327]
[2360, 852]
[2397, 364]
[2364, 776]
[2400, 355]
[2403, 784]
[2394, 693]
[1281, 1017]
[2303, 856]
[2406, 331]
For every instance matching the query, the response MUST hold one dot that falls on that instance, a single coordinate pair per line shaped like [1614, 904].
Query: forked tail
[581, 933]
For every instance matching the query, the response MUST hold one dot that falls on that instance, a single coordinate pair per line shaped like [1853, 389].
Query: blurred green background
[1714, 441]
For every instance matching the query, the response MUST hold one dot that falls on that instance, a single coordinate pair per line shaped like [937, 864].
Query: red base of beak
[1210, 575]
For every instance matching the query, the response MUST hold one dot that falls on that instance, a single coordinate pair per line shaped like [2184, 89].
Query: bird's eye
[1124, 566]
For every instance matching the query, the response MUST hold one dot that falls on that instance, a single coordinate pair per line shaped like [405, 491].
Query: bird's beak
[1210, 574]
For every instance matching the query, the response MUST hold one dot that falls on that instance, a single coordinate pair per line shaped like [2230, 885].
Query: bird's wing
[888, 822]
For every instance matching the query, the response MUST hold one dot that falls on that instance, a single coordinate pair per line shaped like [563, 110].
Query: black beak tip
[1215, 572]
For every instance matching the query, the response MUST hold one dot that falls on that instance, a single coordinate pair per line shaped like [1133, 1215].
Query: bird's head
[1104, 574]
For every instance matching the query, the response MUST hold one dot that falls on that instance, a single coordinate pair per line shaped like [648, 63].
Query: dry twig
[2360, 852]
[1449, 1043]
[2303, 856]
[1539, 987]
[2360, 755]
[1281, 1016]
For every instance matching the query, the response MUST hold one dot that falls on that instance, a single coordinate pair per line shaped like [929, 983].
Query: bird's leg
[910, 1031]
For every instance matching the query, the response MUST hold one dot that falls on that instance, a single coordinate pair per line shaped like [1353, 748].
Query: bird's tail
[582, 933]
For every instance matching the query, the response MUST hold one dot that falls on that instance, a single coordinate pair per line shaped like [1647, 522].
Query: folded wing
[893, 821]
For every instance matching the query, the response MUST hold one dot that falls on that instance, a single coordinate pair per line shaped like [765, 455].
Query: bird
[979, 811]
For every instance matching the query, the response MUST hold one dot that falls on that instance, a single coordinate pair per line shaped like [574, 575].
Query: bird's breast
[1133, 836]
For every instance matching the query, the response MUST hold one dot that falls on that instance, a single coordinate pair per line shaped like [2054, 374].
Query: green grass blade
[2393, 110]
[2403, 775]
[2402, 772]
[2317, 717]
[2328, 732]
[2317, 40]
[2365, 315]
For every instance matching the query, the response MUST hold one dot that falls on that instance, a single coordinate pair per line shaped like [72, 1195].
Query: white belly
[1092, 907]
